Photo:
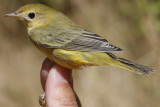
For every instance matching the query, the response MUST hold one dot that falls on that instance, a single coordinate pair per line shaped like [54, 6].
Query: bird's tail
[137, 68]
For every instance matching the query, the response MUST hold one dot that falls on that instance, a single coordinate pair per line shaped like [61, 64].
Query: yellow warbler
[63, 42]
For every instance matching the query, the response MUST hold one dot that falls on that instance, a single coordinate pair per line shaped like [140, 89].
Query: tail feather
[139, 69]
[126, 64]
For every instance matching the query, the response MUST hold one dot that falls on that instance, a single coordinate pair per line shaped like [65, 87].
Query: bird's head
[34, 15]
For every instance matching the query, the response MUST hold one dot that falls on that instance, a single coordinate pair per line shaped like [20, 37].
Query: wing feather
[87, 41]
[69, 39]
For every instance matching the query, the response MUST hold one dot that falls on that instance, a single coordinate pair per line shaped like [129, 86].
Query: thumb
[59, 92]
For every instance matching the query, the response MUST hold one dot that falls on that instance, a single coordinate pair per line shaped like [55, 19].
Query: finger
[46, 66]
[59, 92]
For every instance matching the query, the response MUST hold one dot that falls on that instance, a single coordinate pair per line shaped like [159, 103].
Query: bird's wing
[87, 41]
[73, 40]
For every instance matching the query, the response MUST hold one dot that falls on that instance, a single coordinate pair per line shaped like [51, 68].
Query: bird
[68, 45]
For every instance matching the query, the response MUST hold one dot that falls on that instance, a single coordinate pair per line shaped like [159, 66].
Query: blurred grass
[132, 25]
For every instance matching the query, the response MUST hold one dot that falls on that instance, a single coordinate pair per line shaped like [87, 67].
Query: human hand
[57, 83]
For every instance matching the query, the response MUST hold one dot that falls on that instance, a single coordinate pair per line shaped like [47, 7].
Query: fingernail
[58, 76]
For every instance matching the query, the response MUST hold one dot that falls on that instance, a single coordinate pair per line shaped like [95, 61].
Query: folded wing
[79, 40]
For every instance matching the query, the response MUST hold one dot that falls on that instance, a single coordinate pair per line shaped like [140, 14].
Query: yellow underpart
[75, 59]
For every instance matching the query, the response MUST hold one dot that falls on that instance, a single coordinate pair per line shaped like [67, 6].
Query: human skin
[57, 83]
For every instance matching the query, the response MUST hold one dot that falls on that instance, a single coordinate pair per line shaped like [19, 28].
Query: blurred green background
[133, 25]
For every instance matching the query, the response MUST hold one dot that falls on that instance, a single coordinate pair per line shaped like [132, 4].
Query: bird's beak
[12, 15]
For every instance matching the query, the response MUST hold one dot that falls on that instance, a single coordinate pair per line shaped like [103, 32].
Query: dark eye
[31, 15]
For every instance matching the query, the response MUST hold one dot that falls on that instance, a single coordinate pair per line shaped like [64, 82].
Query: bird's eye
[31, 15]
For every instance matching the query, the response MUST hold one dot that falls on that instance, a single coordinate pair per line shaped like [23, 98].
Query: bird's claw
[42, 100]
